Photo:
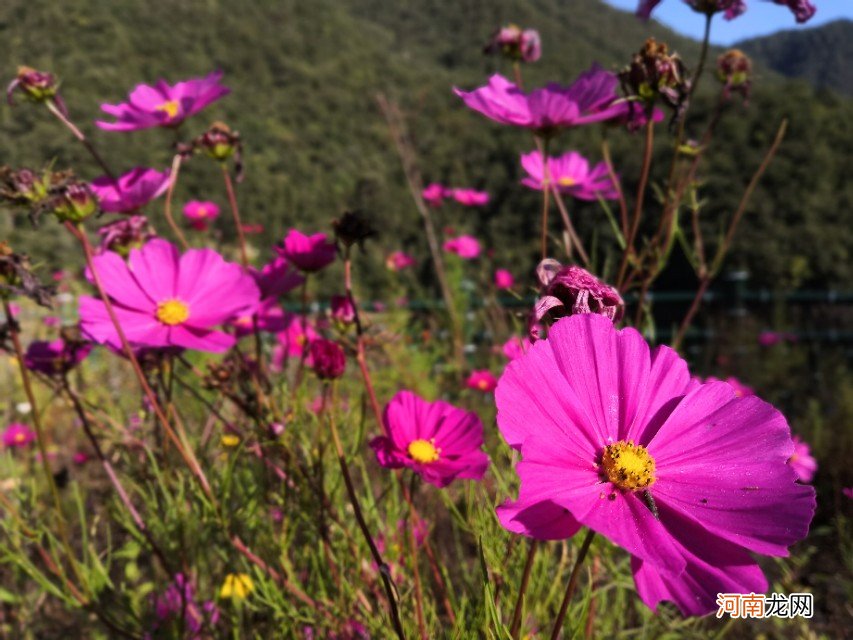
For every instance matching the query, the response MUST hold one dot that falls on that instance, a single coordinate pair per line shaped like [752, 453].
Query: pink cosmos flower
[18, 435]
[772, 338]
[277, 277]
[803, 10]
[163, 105]
[434, 194]
[741, 390]
[687, 477]
[308, 253]
[470, 197]
[269, 316]
[504, 279]
[56, 357]
[571, 174]
[166, 299]
[177, 606]
[547, 110]
[482, 380]
[131, 191]
[398, 260]
[328, 359]
[294, 342]
[342, 310]
[466, 247]
[434, 439]
[515, 347]
[802, 461]
[515, 44]
[200, 213]
[80, 458]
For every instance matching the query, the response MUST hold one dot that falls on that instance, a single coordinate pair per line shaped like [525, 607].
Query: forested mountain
[305, 76]
[820, 55]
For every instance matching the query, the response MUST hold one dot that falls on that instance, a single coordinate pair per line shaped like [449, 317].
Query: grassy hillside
[305, 77]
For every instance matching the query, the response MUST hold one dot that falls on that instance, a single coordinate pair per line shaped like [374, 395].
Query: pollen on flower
[423, 451]
[170, 108]
[22, 437]
[483, 385]
[172, 312]
[566, 181]
[628, 465]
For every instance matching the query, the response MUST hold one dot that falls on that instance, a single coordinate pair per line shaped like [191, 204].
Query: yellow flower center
[170, 108]
[423, 451]
[20, 437]
[237, 586]
[483, 385]
[172, 312]
[230, 440]
[201, 212]
[566, 182]
[628, 465]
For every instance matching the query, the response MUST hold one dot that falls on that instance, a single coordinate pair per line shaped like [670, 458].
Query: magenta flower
[741, 390]
[434, 194]
[547, 110]
[466, 247]
[18, 435]
[307, 253]
[200, 213]
[848, 491]
[687, 477]
[482, 380]
[470, 197]
[515, 347]
[269, 317]
[504, 279]
[570, 173]
[398, 260]
[163, 105]
[772, 338]
[124, 234]
[515, 44]
[166, 299]
[131, 191]
[327, 359]
[803, 10]
[802, 461]
[294, 342]
[434, 439]
[342, 310]
[277, 277]
[177, 605]
[56, 357]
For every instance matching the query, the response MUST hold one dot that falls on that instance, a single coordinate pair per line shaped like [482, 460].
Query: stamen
[627, 465]
[172, 312]
[423, 451]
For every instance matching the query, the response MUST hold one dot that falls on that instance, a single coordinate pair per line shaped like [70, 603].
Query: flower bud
[654, 74]
[353, 227]
[26, 187]
[74, 202]
[342, 310]
[125, 234]
[514, 44]
[219, 142]
[37, 86]
[328, 359]
[734, 69]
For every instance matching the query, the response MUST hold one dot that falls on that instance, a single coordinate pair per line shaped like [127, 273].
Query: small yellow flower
[229, 440]
[236, 586]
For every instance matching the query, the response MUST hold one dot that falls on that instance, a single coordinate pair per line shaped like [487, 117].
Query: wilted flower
[353, 227]
[733, 70]
[73, 202]
[550, 109]
[466, 247]
[237, 586]
[125, 234]
[17, 277]
[802, 461]
[803, 10]
[434, 439]
[56, 357]
[131, 191]
[655, 73]
[200, 213]
[398, 260]
[342, 310]
[514, 44]
[686, 477]
[504, 279]
[571, 291]
[328, 359]
[37, 86]
[569, 173]
[166, 299]
[18, 435]
[163, 105]
[434, 194]
[307, 253]
[482, 380]
[25, 187]
[470, 197]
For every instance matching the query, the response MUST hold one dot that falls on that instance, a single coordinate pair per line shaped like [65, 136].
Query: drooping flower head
[549, 109]
[55, 357]
[399, 260]
[277, 277]
[686, 477]
[200, 213]
[734, 70]
[328, 359]
[482, 380]
[166, 299]
[18, 435]
[434, 194]
[802, 461]
[131, 191]
[470, 197]
[515, 44]
[125, 234]
[570, 173]
[466, 247]
[307, 253]
[573, 290]
[163, 105]
[504, 279]
[803, 10]
[436, 440]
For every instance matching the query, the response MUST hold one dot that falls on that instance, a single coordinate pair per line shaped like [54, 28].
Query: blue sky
[762, 18]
